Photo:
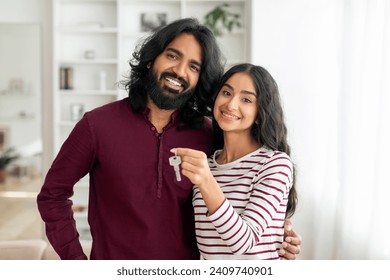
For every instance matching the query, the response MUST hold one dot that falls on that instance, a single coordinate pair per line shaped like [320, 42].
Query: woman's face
[235, 108]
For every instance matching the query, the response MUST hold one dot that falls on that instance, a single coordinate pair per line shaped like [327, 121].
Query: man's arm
[292, 242]
[54, 204]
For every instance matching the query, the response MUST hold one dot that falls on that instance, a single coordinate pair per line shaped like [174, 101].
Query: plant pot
[3, 175]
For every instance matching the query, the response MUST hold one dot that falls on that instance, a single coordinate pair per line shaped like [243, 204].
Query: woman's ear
[148, 65]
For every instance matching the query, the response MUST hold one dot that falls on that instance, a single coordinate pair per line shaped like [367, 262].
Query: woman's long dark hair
[269, 128]
[191, 114]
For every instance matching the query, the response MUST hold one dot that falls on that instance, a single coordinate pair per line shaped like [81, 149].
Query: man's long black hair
[199, 105]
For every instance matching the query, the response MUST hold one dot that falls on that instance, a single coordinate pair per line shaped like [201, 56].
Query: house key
[175, 162]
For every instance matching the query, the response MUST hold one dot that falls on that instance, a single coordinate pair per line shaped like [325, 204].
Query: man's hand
[291, 246]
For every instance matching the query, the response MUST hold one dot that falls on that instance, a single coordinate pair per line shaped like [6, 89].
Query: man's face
[175, 73]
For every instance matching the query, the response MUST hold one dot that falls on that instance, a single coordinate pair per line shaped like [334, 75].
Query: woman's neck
[236, 146]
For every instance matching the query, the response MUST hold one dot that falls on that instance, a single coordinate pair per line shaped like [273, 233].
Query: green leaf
[7, 157]
[220, 14]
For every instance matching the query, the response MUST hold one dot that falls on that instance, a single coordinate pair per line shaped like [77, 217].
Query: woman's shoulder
[274, 157]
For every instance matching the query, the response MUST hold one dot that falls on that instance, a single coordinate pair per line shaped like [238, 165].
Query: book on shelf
[66, 78]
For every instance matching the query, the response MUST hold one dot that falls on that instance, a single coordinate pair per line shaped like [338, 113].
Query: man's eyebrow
[243, 91]
[179, 53]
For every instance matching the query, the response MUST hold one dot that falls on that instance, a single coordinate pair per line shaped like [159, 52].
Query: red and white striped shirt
[249, 224]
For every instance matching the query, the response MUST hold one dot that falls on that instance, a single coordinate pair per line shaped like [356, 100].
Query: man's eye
[173, 56]
[195, 68]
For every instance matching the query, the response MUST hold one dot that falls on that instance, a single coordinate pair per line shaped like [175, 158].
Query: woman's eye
[225, 92]
[247, 100]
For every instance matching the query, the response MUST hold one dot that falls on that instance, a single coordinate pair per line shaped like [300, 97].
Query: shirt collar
[174, 116]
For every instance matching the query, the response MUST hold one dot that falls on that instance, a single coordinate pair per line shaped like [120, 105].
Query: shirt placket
[160, 164]
[160, 156]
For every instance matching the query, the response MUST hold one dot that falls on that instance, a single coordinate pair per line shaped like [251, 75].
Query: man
[137, 208]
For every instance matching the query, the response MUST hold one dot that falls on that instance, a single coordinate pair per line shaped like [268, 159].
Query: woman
[243, 192]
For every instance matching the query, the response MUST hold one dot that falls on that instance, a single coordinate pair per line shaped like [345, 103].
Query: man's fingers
[294, 240]
[291, 249]
[285, 255]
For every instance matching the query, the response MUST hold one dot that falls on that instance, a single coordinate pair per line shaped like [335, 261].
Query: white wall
[330, 59]
[37, 11]
[298, 42]
[20, 56]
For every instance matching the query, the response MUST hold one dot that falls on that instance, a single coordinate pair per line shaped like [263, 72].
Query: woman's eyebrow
[243, 91]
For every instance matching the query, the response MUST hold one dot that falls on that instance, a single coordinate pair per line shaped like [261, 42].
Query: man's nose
[180, 69]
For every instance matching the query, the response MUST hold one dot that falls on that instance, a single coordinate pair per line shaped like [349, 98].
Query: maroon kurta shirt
[137, 209]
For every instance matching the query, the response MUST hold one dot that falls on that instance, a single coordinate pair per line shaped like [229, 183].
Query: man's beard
[174, 100]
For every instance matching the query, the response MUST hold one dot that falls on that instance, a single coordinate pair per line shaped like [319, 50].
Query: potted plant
[6, 158]
[221, 18]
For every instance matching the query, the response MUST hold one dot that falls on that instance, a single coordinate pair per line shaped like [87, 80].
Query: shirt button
[153, 128]
[156, 134]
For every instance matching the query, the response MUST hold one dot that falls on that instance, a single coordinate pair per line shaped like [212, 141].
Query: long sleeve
[249, 223]
[267, 201]
[73, 162]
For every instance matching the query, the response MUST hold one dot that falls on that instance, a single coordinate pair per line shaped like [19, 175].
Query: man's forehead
[186, 44]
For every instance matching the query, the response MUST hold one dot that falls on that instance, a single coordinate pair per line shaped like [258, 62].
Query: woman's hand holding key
[195, 167]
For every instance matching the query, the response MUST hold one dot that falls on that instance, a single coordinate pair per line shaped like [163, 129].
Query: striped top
[249, 224]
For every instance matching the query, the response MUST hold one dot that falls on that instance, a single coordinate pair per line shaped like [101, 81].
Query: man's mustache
[173, 75]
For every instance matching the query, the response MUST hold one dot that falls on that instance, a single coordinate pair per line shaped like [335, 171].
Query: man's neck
[158, 117]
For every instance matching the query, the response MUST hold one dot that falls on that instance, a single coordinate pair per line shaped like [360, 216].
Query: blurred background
[330, 58]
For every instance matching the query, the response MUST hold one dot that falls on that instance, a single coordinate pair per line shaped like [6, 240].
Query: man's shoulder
[207, 124]
[117, 108]
[122, 104]
[113, 112]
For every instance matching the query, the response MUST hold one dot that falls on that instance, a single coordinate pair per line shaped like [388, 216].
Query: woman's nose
[232, 104]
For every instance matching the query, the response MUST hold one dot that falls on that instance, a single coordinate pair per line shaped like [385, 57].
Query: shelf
[67, 123]
[70, 92]
[215, 1]
[134, 35]
[80, 214]
[93, 30]
[88, 61]
[17, 117]
[89, 1]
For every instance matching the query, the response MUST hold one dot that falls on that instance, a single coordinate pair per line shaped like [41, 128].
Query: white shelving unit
[92, 37]
[235, 45]
[85, 41]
